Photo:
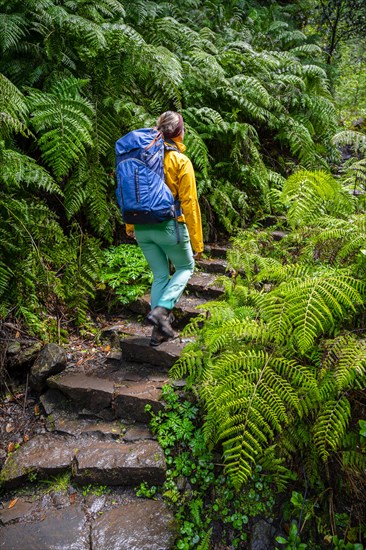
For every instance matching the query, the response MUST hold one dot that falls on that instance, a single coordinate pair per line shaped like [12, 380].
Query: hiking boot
[157, 337]
[160, 317]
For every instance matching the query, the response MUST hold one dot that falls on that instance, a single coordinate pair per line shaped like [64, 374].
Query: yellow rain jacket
[180, 178]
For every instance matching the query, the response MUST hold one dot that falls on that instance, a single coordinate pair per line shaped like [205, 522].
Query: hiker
[159, 242]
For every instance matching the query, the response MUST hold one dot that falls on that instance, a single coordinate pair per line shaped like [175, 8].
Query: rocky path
[97, 446]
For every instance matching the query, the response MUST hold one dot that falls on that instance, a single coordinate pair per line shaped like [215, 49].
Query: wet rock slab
[22, 508]
[94, 461]
[121, 464]
[205, 282]
[145, 525]
[164, 356]
[59, 529]
[77, 427]
[211, 265]
[44, 455]
[184, 310]
[131, 399]
[91, 391]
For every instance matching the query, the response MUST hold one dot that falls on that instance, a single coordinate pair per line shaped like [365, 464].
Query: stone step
[204, 283]
[147, 525]
[91, 461]
[112, 397]
[135, 523]
[64, 424]
[184, 310]
[213, 265]
[216, 250]
[140, 351]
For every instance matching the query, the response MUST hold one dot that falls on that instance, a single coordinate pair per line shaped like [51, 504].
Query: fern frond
[13, 29]
[311, 195]
[5, 276]
[13, 107]
[346, 359]
[190, 360]
[236, 329]
[349, 137]
[353, 461]
[306, 50]
[249, 399]
[308, 308]
[331, 425]
[355, 175]
[17, 169]
[63, 117]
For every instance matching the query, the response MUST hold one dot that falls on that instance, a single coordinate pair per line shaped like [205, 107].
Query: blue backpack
[142, 193]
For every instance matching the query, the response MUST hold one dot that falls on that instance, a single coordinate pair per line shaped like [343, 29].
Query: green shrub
[126, 272]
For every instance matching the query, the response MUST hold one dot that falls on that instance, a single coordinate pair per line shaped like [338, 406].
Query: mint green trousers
[158, 243]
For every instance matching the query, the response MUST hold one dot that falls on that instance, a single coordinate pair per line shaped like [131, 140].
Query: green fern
[250, 404]
[331, 425]
[311, 195]
[17, 169]
[306, 308]
[63, 118]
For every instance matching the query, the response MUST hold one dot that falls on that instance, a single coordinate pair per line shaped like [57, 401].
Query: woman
[159, 241]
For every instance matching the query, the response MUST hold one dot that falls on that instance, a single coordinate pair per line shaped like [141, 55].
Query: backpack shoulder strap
[172, 145]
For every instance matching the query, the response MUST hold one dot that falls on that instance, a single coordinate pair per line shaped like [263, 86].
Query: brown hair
[170, 124]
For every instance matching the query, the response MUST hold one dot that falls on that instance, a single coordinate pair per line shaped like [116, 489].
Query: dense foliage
[279, 366]
[74, 76]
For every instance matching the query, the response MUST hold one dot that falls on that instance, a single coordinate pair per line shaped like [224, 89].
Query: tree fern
[340, 242]
[13, 29]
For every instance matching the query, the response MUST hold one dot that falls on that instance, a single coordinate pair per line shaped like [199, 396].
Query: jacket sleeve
[187, 192]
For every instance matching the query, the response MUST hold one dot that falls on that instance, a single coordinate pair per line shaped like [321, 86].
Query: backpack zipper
[137, 189]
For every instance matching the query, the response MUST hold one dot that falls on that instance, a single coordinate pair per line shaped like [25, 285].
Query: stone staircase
[97, 434]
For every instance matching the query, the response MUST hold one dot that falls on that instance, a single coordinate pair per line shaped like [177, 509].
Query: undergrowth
[205, 503]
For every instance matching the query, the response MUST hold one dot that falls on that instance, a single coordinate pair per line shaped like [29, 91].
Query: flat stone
[77, 427]
[216, 250]
[58, 530]
[110, 463]
[139, 350]
[90, 391]
[26, 356]
[45, 455]
[129, 327]
[22, 508]
[144, 525]
[204, 283]
[184, 310]
[129, 400]
[213, 265]
[137, 432]
[115, 355]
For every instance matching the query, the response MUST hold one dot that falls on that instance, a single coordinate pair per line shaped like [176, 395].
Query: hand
[131, 234]
[197, 256]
